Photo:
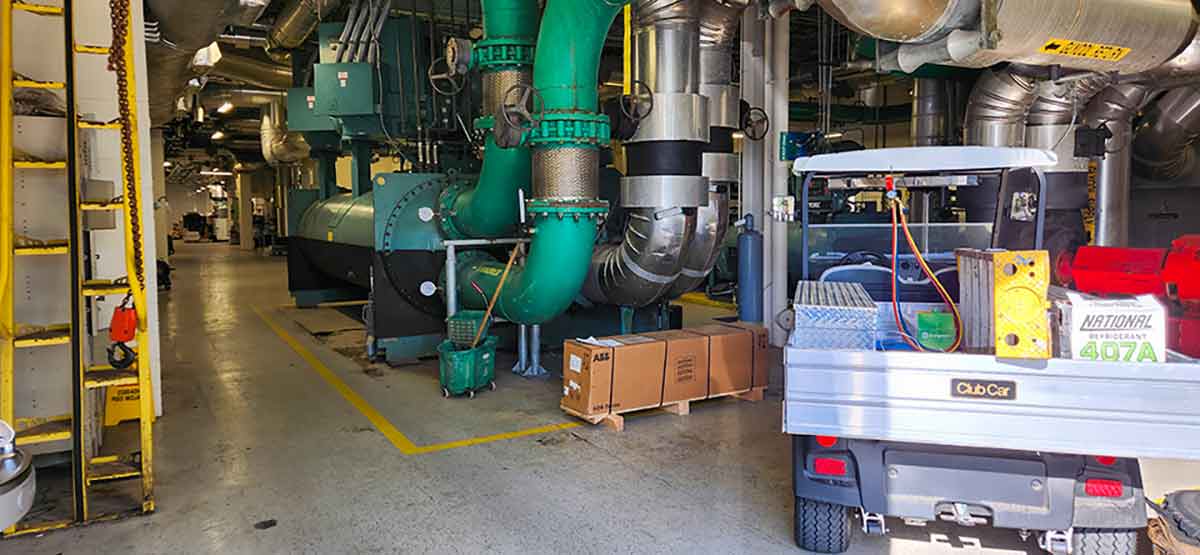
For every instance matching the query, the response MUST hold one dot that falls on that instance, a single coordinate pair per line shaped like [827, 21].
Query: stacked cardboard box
[627, 373]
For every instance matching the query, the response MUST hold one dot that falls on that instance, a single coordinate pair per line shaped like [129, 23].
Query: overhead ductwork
[175, 30]
[1162, 148]
[1133, 36]
[929, 112]
[997, 109]
[216, 61]
[278, 145]
[295, 22]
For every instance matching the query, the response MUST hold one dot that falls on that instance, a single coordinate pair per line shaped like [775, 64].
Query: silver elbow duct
[997, 109]
[278, 145]
[1162, 148]
[295, 22]
[663, 186]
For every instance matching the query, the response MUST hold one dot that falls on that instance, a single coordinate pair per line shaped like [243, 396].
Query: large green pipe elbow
[560, 254]
[510, 18]
[566, 67]
[490, 209]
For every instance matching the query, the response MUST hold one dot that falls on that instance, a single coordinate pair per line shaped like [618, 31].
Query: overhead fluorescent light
[836, 135]
[225, 107]
[218, 135]
[216, 173]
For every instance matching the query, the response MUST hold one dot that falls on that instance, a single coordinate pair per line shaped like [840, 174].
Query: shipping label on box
[686, 372]
[1117, 330]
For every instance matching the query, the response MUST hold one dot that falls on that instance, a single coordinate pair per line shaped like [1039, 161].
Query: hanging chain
[116, 64]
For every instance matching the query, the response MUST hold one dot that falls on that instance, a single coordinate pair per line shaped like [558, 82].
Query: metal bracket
[874, 524]
[1057, 542]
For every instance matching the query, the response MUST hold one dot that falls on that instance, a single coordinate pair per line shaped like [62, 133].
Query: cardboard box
[762, 352]
[587, 377]
[730, 358]
[686, 372]
[615, 374]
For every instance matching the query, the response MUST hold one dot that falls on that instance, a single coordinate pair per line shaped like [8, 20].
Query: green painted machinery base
[397, 350]
[312, 298]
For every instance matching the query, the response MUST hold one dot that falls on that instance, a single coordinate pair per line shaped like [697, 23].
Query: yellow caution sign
[1082, 49]
[122, 404]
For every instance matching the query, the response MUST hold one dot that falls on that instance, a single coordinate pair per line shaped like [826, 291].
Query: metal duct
[279, 146]
[213, 60]
[1162, 147]
[929, 112]
[997, 109]
[904, 20]
[176, 29]
[664, 184]
[295, 22]
[213, 98]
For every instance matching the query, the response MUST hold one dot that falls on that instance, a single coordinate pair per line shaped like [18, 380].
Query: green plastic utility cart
[464, 370]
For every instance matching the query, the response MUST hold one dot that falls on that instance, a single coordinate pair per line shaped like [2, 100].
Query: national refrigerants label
[1083, 49]
[1118, 330]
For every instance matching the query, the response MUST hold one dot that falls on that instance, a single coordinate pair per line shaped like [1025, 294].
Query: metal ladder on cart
[86, 377]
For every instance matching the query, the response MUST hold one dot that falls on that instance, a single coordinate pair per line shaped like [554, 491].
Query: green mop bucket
[465, 370]
[464, 325]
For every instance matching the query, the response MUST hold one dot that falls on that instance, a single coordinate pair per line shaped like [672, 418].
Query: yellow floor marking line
[702, 300]
[394, 435]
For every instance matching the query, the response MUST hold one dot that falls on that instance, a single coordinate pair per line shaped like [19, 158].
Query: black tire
[822, 527]
[1097, 541]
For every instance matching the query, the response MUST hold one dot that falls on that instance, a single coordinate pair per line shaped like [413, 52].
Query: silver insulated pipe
[719, 20]
[663, 186]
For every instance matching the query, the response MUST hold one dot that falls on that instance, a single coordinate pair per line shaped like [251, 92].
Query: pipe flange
[446, 200]
[502, 54]
[578, 209]
[652, 191]
[571, 129]
[676, 117]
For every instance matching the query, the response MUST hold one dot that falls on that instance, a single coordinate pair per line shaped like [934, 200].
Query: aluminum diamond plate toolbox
[1057, 405]
[833, 315]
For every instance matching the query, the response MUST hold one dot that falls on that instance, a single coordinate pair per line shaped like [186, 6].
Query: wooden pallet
[616, 420]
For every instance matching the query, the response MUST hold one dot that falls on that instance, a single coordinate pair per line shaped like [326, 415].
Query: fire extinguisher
[122, 329]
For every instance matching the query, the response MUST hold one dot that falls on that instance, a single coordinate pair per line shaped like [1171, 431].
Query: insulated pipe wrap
[712, 222]
[929, 112]
[1162, 147]
[297, 20]
[915, 21]
[997, 108]
[646, 263]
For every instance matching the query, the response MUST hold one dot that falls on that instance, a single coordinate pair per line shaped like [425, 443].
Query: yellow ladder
[85, 376]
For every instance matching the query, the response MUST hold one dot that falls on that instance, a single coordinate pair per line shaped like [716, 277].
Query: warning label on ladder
[1081, 49]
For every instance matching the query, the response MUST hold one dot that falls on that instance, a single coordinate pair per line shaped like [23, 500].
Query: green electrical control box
[303, 115]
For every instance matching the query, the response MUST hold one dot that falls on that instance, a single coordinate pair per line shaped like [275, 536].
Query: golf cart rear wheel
[1097, 541]
[822, 527]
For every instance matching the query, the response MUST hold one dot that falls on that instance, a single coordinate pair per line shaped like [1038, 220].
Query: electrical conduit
[564, 212]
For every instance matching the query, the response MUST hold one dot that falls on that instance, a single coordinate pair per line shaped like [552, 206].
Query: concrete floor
[254, 431]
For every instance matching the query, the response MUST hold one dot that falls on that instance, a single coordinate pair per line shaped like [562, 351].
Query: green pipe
[566, 66]
[510, 19]
[567, 63]
[554, 271]
[490, 209]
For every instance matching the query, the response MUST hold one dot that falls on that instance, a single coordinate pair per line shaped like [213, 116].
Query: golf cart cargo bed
[1055, 406]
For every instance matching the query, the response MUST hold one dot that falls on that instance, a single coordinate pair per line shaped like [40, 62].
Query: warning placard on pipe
[1081, 49]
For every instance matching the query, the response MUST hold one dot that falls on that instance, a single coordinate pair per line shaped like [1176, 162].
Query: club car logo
[1117, 322]
[984, 389]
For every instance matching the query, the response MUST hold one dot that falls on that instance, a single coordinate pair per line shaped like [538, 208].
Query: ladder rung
[112, 471]
[39, 527]
[57, 430]
[101, 205]
[95, 379]
[90, 49]
[51, 248]
[56, 335]
[38, 165]
[84, 124]
[40, 9]
[100, 288]
[31, 84]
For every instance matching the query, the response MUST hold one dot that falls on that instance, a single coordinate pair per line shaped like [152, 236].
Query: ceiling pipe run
[216, 61]
[295, 23]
